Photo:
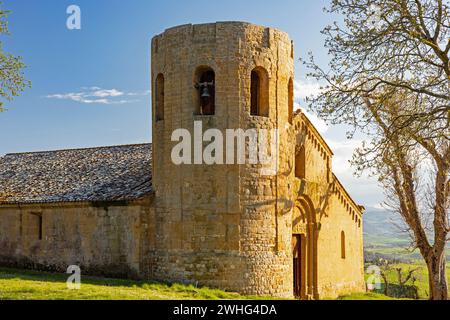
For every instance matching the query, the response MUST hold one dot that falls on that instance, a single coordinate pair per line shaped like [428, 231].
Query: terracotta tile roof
[114, 173]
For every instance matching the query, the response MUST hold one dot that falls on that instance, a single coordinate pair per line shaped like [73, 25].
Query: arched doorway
[304, 250]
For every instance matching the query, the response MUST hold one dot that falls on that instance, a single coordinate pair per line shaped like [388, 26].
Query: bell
[205, 93]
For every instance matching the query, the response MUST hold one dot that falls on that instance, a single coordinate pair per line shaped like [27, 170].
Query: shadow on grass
[7, 273]
[181, 290]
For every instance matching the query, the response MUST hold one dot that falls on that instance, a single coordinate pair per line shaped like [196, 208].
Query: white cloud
[320, 125]
[107, 93]
[90, 88]
[364, 189]
[139, 93]
[305, 88]
[97, 95]
[379, 206]
[343, 152]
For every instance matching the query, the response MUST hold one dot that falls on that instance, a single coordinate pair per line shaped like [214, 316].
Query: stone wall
[332, 212]
[101, 238]
[339, 275]
[231, 226]
[217, 223]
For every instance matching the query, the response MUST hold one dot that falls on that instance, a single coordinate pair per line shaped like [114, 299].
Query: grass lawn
[33, 285]
[367, 296]
[30, 285]
[421, 274]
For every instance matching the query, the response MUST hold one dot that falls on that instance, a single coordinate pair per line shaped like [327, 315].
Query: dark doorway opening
[298, 247]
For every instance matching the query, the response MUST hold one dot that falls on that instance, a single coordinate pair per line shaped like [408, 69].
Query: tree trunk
[437, 277]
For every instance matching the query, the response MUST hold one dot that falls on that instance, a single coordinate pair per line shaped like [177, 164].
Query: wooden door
[297, 264]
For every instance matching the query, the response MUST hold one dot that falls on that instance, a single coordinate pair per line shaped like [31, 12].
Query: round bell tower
[220, 221]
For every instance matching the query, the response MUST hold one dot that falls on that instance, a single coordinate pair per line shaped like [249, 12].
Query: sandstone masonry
[286, 228]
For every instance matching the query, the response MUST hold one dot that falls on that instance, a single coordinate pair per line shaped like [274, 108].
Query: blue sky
[90, 86]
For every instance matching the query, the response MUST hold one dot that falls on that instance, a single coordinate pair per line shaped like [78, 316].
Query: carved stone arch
[304, 213]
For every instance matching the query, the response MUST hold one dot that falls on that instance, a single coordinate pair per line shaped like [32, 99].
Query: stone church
[287, 228]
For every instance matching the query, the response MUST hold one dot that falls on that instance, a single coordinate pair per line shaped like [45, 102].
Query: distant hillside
[384, 236]
[383, 229]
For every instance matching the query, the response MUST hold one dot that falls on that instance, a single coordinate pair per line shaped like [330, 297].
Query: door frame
[310, 254]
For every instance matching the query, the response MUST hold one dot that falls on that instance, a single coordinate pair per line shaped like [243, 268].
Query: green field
[384, 239]
[421, 283]
[421, 275]
[30, 285]
[367, 296]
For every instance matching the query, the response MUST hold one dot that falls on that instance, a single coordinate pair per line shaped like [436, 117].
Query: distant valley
[385, 236]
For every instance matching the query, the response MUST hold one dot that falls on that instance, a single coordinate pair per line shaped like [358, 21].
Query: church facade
[284, 227]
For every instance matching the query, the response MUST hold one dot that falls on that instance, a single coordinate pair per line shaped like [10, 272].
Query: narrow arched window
[205, 82]
[255, 93]
[300, 163]
[342, 244]
[259, 92]
[159, 97]
[290, 100]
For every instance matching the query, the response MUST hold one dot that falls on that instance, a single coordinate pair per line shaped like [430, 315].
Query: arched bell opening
[205, 95]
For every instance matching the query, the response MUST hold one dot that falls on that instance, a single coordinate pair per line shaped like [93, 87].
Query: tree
[389, 77]
[12, 79]
[386, 268]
